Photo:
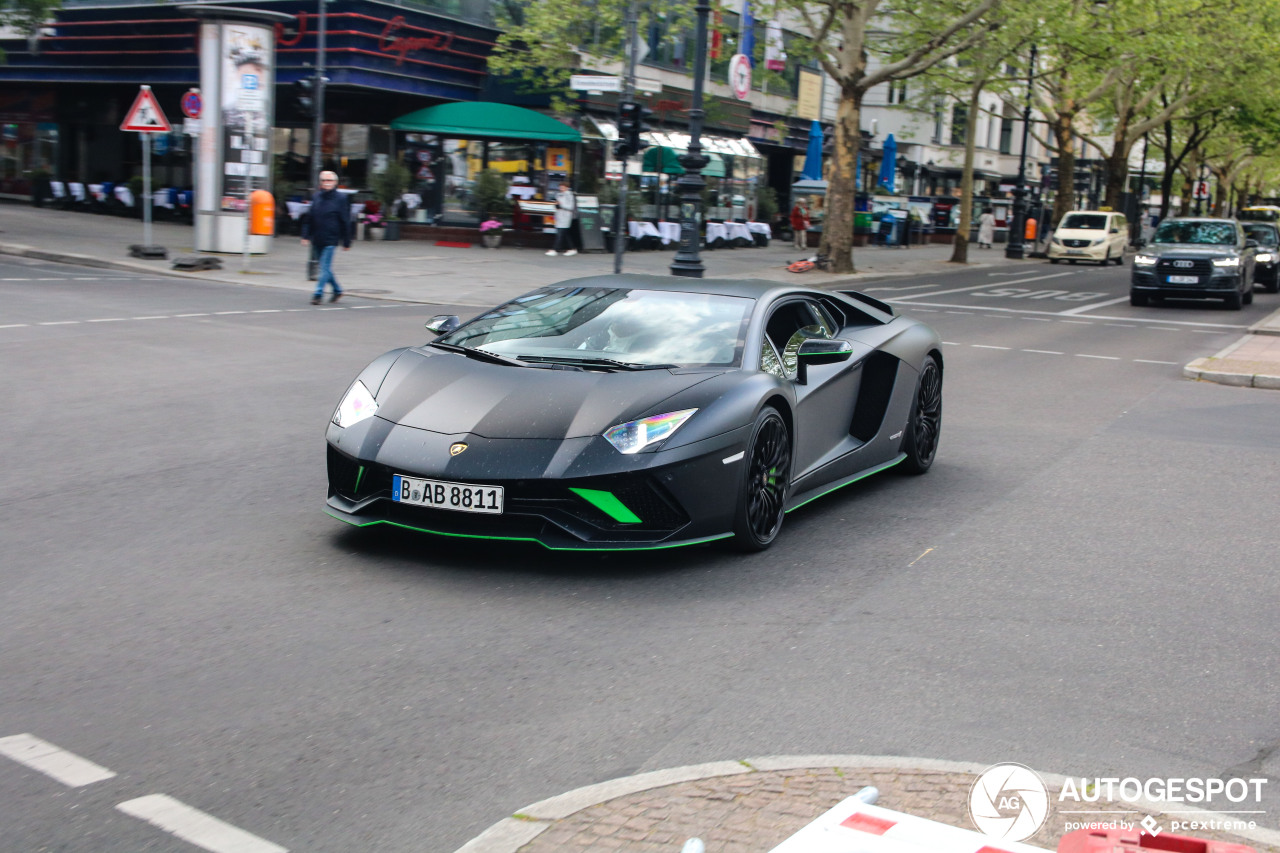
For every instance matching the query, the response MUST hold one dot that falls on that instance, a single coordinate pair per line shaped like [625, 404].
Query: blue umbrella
[888, 164]
[813, 155]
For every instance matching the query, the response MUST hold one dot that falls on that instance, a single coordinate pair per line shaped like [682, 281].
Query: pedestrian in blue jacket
[327, 225]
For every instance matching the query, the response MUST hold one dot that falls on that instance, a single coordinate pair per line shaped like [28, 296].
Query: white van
[1090, 235]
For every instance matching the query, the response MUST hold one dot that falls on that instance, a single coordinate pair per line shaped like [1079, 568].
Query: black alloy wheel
[924, 428]
[762, 501]
[1138, 300]
[1233, 301]
[1273, 286]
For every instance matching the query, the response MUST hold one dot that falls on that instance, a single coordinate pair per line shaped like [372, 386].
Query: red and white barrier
[854, 826]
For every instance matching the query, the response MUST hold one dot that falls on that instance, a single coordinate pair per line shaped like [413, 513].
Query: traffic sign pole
[146, 188]
[145, 118]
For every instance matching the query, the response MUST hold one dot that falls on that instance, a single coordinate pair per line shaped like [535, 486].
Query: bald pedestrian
[327, 225]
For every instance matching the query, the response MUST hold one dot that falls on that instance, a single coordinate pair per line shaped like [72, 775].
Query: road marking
[220, 313]
[1044, 351]
[988, 346]
[266, 311]
[14, 326]
[900, 289]
[15, 279]
[959, 312]
[106, 320]
[191, 315]
[1122, 325]
[1104, 357]
[1037, 319]
[156, 317]
[1162, 329]
[60, 323]
[997, 316]
[1149, 361]
[65, 767]
[51, 279]
[196, 827]
[1077, 322]
[1084, 308]
[980, 286]
[952, 344]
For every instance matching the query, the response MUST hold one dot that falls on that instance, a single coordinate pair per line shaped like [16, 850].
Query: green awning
[485, 120]
[663, 159]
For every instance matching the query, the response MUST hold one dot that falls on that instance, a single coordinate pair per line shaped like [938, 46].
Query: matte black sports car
[636, 411]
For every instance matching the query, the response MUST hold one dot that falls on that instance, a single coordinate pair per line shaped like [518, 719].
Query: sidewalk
[751, 806]
[420, 271]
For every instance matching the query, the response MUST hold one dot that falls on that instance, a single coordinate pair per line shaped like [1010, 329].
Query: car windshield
[1266, 235]
[1085, 221]
[613, 327]
[1212, 233]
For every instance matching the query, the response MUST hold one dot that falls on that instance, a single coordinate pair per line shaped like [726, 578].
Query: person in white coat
[986, 229]
[566, 211]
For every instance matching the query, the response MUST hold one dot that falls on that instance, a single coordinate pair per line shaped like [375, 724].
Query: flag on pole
[748, 39]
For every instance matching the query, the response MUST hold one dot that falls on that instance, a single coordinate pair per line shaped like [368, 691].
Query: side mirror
[820, 351]
[443, 324]
[1140, 242]
[1251, 244]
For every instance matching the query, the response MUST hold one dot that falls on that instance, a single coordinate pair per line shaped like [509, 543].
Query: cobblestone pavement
[754, 811]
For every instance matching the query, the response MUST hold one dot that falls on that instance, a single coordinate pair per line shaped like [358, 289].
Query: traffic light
[632, 122]
[304, 97]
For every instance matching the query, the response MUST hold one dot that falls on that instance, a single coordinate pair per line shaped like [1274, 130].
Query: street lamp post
[1014, 248]
[687, 262]
[317, 127]
[1204, 182]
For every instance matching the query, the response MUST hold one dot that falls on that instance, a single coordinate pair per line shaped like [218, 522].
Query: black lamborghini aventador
[633, 411]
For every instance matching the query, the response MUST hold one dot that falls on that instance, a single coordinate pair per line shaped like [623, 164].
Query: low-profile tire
[766, 478]
[1106, 261]
[1233, 302]
[1137, 300]
[1120, 259]
[1054, 260]
[924, 426]
[1272, 286]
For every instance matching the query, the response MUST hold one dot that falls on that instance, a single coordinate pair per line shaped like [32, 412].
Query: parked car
[1090, 235]
[1195, 258]
[1266, 267]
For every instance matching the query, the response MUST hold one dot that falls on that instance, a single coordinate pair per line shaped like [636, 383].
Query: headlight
[1265, 258]
[1226, 262]
[357, 406]
[634, 436]
[1144, 260]
[1055, 241]
[1097, 242]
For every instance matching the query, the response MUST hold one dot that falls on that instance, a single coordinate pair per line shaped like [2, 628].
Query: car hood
[1199, 250]
[452, 394]
[1080, 234]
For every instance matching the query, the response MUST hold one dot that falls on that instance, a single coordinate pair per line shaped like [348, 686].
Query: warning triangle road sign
[145, 116]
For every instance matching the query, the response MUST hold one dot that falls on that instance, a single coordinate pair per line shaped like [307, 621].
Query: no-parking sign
[740, 76]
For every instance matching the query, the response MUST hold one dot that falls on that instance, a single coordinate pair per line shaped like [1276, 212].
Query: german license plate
[1184, 279]
[440, 494]
[1076, 252]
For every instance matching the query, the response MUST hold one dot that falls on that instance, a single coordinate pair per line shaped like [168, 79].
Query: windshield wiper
[478, 354]
[588, 361]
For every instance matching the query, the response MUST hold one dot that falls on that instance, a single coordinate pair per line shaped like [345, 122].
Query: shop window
[1006, 130]
[959, 121]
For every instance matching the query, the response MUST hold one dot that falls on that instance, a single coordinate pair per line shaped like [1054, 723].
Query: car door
[825, 399]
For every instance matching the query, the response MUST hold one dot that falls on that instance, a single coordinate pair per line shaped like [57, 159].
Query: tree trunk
[842, 192]
[1062, 137]
[960, 251]
[1117, 170]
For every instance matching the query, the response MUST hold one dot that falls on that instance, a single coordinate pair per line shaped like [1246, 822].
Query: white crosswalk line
[65, 767]
[196, 827]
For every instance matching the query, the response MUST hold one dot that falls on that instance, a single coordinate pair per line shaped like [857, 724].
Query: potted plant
[491, 233]
[388, 186]
[490, 194]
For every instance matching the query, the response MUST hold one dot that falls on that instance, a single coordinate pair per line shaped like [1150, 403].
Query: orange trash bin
[1030, 233]
[262, 213]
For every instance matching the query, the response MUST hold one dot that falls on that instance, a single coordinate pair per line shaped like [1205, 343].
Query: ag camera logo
[1009, 802]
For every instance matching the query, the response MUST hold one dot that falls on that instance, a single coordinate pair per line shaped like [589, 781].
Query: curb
[1219, 367]
[512, 833]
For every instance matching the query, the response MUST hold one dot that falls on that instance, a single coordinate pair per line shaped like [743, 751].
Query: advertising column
[237, 81]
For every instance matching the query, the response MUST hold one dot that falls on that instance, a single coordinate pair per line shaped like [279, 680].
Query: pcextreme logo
[1009, 802]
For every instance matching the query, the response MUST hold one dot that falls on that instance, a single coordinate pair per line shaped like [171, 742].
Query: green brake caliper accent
[608, 503]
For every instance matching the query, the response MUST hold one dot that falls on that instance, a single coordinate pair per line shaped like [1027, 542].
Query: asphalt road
[1080, 584]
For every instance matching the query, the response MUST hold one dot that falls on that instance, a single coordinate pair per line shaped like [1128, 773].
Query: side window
[769, 361]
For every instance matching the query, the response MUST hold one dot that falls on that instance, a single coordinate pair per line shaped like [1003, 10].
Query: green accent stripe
[862, 476]
[702, 541]
[359, 477]
[608, 503]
